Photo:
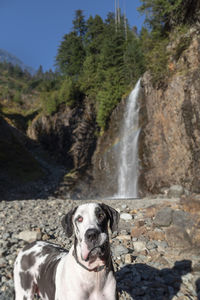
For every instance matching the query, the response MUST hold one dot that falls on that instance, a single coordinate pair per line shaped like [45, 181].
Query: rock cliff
[69, 134]
[170, 137]
[169, 145]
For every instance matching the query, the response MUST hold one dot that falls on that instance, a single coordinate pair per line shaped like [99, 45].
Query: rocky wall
[170, 137]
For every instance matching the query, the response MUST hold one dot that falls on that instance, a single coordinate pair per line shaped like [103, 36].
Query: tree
[161, 14]
[71, 55]
[40, 73]
[79, 24]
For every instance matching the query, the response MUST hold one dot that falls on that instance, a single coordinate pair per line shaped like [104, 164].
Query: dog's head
[90, 223]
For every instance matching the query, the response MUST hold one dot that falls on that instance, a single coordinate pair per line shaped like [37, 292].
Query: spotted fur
[54, 274]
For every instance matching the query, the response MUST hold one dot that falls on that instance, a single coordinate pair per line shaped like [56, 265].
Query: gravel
[146, 267]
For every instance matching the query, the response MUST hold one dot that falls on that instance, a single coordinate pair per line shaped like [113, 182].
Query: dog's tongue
[85, 252]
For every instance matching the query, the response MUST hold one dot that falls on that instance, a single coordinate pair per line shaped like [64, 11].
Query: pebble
[147, 267]
[126, 216]
[139, 246]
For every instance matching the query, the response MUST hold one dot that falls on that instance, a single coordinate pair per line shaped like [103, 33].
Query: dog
[84, 273]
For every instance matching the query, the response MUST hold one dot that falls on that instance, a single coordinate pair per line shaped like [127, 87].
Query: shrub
[69, 92]
[17, 97]
[49, 102]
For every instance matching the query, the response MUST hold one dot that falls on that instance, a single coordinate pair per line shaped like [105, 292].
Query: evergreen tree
[79, 24]
[71, 55]
[161, 14]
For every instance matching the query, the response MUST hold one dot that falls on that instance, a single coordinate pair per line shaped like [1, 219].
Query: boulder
[29, 236]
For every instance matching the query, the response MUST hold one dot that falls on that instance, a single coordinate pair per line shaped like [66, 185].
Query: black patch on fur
[101, 219]
[26, 280]
[67, 222]
[47, 270]
[29, 246]
[112, 215]
[28, 261]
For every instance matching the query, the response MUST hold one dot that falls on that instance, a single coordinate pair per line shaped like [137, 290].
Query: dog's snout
[92, 234]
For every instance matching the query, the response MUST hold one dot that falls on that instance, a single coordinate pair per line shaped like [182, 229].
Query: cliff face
[69, 135]
[105, 158]
[170, 138]
[169, 143]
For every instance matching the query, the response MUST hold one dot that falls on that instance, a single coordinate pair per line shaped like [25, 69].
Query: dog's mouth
[97, 252]
[94, 253]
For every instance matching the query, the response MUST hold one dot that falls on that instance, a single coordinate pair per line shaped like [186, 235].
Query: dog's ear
[112, 215]
[67, 223]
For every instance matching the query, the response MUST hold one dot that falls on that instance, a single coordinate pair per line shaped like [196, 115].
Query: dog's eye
[80, 219]
[100, 216]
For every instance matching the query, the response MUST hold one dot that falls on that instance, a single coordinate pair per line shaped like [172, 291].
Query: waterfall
[128, 156]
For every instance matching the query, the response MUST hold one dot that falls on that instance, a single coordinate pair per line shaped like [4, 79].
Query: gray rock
[163, 217]
[181, 218]
[126, 216]
[119, 250]
[151, 245]
[139, 246]
[175, 191]
[29, 236]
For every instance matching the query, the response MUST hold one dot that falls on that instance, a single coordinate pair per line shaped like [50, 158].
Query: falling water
[128, 157]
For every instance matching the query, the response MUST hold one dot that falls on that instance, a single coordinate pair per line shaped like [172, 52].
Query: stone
[29, 236]
[137, 232]
[175, 191]
[126, 216]
[151, 245]
[177, 237]
[150, 212]
[157, 234]
[123, 237]
[139, 246]
[119, 250]
[139, 223]
[163, 217]
[128, 259]
[182, 219]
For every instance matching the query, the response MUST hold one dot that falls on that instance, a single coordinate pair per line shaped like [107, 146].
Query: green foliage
[157, 59]
[49, 102]
[17, 97]
[182, 39]
[108, 97]
[69, 92]
[161, 14]
[166, 21]
[99, 60]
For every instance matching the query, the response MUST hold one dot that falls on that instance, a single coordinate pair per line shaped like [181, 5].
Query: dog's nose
[92, 234]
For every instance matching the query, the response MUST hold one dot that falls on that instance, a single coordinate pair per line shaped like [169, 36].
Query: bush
[69, 92]
[17, 97]
[157, 60]
[49, 102]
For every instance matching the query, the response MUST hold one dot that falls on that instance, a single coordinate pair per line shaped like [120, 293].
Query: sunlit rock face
[170, 137]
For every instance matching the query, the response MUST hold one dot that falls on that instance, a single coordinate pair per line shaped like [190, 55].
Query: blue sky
[33, 29]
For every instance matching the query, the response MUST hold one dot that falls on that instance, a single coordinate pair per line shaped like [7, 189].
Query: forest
[101, 60]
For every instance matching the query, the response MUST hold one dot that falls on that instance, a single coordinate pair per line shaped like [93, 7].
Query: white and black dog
[84, 273]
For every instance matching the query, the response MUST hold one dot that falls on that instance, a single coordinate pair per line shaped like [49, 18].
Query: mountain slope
[5, 56]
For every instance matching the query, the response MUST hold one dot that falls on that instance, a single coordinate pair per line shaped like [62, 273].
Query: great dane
[84, 273]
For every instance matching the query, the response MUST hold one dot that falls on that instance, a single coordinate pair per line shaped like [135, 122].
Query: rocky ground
[155, 252]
